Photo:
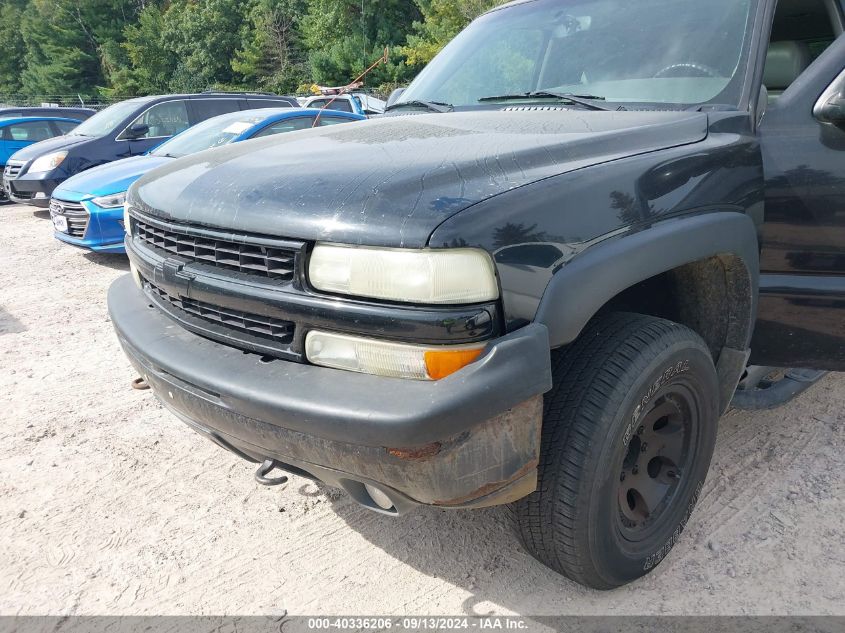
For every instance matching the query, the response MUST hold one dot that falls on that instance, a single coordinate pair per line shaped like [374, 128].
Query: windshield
[653, 51]
[106, 121]
[220, 130]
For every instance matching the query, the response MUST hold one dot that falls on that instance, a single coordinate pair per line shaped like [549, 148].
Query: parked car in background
[87, 209]
[61, 112]
[357, 102]
[128, 128]
[19, 132]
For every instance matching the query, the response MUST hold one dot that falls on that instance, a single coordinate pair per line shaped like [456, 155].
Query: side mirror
[394, 97]
[136, 131]
[833, 111]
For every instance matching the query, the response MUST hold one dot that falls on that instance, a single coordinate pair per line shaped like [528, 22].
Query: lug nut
[644, 447]
[635, 469]
[622, 477]
[641, 430]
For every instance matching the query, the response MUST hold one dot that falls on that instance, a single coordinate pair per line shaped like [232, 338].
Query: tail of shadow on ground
[110, 260]
[9, 324]
[475, 550]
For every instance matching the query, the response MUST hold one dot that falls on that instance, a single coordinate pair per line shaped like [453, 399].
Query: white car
[358, 103]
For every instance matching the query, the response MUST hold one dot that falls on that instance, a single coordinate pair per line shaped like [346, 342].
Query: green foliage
[204, 37]
[14, 49]
[443, 20]
[69, 45]
[149, 64]
[345, 36]
[116, 48]
[271, 56]
[61, 54]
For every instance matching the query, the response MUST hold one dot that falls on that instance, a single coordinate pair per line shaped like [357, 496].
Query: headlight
[48, 162]
[460, 275]
[383, 358]
[111, 202]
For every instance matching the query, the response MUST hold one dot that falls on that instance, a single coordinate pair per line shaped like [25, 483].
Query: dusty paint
[392, 181]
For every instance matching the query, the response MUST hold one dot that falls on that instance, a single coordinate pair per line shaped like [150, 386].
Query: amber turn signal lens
[440, 364]
[386, 358]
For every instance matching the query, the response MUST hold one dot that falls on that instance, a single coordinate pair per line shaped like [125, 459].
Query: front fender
[537, 231]
[580, 288]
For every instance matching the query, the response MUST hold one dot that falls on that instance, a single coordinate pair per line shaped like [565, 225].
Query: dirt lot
[109, 505]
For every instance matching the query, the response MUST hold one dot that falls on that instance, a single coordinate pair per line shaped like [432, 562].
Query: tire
[628, 434]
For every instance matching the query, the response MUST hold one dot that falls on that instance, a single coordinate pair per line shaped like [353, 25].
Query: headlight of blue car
[111, 202]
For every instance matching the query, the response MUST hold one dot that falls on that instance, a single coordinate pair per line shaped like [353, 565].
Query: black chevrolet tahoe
[571, 235]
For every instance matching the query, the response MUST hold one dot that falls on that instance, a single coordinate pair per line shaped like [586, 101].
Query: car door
[163, 120]
[802, 296]
[327, 119]
[18, 135]
[290, 124]
[5, 146]
[63, 127]
[256, 104]
[208, 108]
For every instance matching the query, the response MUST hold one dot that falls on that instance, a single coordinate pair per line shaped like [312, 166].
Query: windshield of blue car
[681, 52]
[106, 121]
[220, 130]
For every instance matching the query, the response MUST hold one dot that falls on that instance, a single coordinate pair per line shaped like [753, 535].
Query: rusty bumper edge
[492, 465]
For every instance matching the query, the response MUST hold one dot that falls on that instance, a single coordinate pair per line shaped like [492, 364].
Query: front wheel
[628, 434]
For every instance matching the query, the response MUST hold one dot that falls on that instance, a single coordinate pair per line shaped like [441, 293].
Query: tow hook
[140, 384]
[265, 469]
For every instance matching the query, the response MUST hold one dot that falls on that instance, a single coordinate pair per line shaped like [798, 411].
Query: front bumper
[104, 232]
[470, 440]
[32, 189]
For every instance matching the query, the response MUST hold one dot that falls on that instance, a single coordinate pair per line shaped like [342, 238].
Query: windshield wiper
[433, 106]
[588, 101]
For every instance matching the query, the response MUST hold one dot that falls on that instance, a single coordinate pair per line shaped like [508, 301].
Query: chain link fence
[77, 101]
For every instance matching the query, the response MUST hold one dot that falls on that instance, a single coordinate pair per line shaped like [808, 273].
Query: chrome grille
[275, 263]
[77, 216]
[255, 325]
[12, 170]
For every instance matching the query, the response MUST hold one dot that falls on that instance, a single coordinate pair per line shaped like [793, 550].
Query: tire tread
[591, 379]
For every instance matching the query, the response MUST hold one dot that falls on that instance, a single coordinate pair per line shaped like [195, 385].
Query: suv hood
[392, 181]
[54, 144]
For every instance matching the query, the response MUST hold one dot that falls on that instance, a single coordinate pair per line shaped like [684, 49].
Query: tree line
[106, 49]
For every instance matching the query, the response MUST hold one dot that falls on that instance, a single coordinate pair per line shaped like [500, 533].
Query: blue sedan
[87, 209]
[17, 132]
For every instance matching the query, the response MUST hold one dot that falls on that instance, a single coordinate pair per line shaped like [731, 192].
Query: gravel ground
[109, 505]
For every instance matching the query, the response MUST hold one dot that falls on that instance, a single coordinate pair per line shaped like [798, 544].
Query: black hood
[55, 144]
[392, 181]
